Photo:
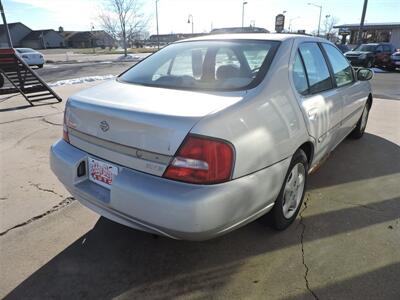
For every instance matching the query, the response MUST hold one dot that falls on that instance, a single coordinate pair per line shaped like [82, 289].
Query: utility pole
[244, 3]
[158, 36]
[364, 11]
[320, 12]
[5, 25]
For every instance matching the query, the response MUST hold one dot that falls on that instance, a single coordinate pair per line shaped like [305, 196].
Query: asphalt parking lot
[344, 245]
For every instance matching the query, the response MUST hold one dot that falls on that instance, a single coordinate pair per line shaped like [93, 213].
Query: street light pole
[320, 12]
[158, 36]
[290, 23]
[191, 17]
[243, 4]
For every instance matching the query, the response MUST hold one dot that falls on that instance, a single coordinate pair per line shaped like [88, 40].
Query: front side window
[205, 65]
[317, 71]
[342, 70]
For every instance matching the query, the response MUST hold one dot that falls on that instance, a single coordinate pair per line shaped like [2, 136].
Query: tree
[329, 22]
[122, 19]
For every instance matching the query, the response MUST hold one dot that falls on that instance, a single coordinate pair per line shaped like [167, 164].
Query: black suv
[369, 55]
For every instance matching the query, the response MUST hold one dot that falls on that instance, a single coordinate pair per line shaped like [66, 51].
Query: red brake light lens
[202, 160]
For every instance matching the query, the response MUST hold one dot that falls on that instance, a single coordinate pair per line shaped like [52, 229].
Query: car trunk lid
[137, 126]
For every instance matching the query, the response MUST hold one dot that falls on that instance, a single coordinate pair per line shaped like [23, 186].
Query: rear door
[351, 91]
[321, 103]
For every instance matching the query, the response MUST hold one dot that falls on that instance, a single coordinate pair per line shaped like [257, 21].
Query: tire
[1, 80]
[368, 63]
[359, 130]
[289, 201]
[40, 66]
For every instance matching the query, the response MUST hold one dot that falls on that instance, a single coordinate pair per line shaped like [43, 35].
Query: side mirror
[364, 74]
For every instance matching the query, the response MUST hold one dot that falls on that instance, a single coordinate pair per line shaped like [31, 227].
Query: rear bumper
[170, 208]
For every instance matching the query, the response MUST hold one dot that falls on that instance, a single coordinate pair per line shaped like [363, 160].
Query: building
[24, 37]
[17, 31]
[372, 33]
[43, 39]
[88, 39]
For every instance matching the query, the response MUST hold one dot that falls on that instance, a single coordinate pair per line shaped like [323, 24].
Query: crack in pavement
[37, 185]
[307, 269]
[18, 142]
[30, 118]
[55, 208]
[49, 122]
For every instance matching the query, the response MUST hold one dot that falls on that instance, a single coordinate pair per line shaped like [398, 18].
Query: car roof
[253, 36]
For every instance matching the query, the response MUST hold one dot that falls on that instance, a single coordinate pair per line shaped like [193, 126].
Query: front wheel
[359, 130]
[368, 64]
[290, 198]
[40, 66]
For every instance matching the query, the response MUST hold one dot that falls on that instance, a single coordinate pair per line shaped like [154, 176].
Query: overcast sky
[207, 14]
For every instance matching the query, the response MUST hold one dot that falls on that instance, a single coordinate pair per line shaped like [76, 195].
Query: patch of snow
[80, 80]
[129, 57]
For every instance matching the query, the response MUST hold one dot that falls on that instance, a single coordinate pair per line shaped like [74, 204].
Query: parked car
[369, 55]
[343, 47]
[395, 61]
[30, 56]
[211, 133]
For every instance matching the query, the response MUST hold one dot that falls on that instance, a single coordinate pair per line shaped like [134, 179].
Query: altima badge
[104, 126]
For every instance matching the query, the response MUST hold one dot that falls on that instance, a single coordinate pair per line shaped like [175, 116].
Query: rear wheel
[40, 66]
[359, 130]
[290, 198]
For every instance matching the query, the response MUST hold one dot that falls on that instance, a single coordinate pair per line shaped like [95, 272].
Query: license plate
[101, 172]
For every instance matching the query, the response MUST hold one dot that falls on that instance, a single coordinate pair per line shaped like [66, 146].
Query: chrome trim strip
[127, 150]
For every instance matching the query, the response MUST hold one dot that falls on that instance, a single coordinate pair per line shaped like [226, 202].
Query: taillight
[202, 160]
[65, 127]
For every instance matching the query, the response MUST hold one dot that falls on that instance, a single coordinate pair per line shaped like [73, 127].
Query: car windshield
[366, 47]
[205, 65]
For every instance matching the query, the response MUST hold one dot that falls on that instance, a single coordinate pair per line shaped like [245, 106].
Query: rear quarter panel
[266, 126]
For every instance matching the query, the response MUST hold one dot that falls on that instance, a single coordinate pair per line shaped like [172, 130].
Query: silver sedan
[211, 133]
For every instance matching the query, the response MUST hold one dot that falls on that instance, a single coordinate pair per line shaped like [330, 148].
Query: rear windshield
[369, 48]
[205, 65]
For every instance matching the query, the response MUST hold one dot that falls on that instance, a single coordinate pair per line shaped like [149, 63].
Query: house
[17, 31]
[88, 39]
[42, 39]
[23, 36]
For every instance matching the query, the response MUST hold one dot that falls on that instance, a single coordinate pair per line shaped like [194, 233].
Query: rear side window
[299, 75]
[317, 71]
[341, 68]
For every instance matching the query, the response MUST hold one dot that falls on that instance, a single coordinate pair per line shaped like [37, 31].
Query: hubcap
[293, 192]
[364, 119]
